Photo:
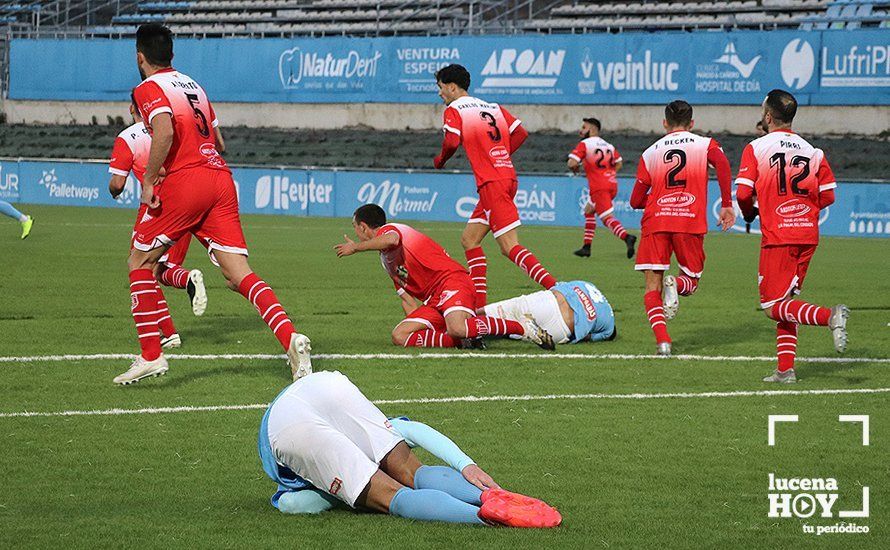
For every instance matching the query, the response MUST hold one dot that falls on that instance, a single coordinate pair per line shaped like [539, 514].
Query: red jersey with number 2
[787, 174]
[676, 169]
[418, 263]
[194, 142]
[484, 129]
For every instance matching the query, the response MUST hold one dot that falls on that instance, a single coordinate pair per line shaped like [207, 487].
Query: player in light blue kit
[326, 445]
[571, 312]
[26, 221]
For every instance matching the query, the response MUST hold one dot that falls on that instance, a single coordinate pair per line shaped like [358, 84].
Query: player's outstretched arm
[380, 242]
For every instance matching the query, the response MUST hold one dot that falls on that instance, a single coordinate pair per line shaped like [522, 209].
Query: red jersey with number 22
[484, 129]
[418, 263]
[787, 174]
[676, 169]
[194, 142]
[599, 158]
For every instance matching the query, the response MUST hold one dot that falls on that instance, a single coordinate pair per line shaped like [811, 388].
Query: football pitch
[635, 451]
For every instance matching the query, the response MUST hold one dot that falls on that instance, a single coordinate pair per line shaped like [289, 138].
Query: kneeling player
[420, 267]
[324, 443]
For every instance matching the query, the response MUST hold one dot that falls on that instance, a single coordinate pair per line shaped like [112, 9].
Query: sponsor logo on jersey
[62, 190]
[793, 208]
[531, 68]
[798, 63]
[677, 199]
[586, 303]
[855, 68]
[499, 152]
[281, 193]
[295, 66]
[629, 74]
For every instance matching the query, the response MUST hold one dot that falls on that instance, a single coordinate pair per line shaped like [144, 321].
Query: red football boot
[514, 510]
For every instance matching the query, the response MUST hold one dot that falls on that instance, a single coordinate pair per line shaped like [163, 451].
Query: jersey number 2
[203, 129]
[494, 133]
[680, 156]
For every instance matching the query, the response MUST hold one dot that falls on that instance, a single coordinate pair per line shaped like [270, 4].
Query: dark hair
[370, 214]
[593, 121]
[455, 74]
[781, 105]
[678, 113]
[155, 42]
[133, 99]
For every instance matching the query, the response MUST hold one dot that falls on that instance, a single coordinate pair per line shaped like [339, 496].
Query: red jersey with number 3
[599, 158]
[130, 152]
[418, 263]
[194, 142]
[787, 174]
[676, 169]
[484, 129]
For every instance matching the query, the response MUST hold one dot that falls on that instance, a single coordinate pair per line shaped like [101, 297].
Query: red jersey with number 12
[418, 263]
[484, 129]
[787, 174]
[194, 141]
[676, 169]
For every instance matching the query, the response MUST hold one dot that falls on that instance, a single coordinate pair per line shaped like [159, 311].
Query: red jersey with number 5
[484, 129]
[787, 174]
[676, 169]
[418, 263]
[194, 141]
[599, 158]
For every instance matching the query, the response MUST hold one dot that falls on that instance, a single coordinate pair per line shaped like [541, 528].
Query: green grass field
[651, 471]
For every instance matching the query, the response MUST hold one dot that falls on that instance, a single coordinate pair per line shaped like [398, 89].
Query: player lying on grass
[792, 183]
[27, 221]
[420, 267]
[570, 312]
[130, 154]
[326, 445]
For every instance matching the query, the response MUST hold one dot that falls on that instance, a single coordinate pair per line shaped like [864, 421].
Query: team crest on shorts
[336, 485]
[135, 299]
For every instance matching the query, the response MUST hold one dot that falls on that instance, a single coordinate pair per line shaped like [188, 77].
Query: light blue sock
[448, 480]
[9, 210]
[430, 505]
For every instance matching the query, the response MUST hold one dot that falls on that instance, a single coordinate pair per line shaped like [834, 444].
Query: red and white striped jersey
[194, 141]
[676, 169]
[787, 174]
[130, 152]
[418, 263]
[484, 129]
[599, 158]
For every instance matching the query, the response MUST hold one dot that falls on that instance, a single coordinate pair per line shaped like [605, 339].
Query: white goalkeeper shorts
[327, 432]
[543, 308]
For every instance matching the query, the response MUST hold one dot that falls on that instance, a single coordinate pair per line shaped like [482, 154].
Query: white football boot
[837, 323]
[670, 299]
[172, 341]
[534, 333]
[664, 349]
[197, 292]
[142, 369]
[787, 377]
[298, 356]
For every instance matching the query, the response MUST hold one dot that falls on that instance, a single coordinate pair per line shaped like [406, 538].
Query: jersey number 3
[494, 133]
[202, 126]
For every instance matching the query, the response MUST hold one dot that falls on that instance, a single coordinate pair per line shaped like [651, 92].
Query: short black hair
[454, 74]
[678, 113]
[781, 105]
[370, 214]
[155, 42]
[594, 122]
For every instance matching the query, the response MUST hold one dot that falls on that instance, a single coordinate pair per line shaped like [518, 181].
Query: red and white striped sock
[175, 276]
[520, 256]
[686, 285]
[478, 265]
[429, 338]
[615, 225]
[144, 306]
[165, 322]
[655, 313]
[492, 326]
[801, 313]
[589, 228]
[266, 303]
[786, 344]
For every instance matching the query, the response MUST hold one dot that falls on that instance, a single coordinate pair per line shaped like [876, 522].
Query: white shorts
[327, 432]
[543, 308]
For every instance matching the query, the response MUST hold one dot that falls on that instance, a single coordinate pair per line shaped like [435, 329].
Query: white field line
[443, 355]
[464, 399]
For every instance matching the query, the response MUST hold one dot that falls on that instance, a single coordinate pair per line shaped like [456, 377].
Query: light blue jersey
[594, 319]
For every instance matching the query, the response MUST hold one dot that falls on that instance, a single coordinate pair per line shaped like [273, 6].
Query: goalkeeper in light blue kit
[326, 445]
[26, 221]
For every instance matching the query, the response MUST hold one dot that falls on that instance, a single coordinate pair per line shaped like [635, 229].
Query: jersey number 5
[494, 133]
[777, 161]
[202, 126]
[669, 157]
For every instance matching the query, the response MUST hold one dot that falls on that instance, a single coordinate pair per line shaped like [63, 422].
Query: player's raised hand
[727, 218]
[345, 249]
[477, 476]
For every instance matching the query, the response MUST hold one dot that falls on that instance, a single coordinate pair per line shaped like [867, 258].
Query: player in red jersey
[490, 135]
[420, 268]
[672, 188]
[601, 161]
[197, 196]
[130, 154]
[792, 182]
